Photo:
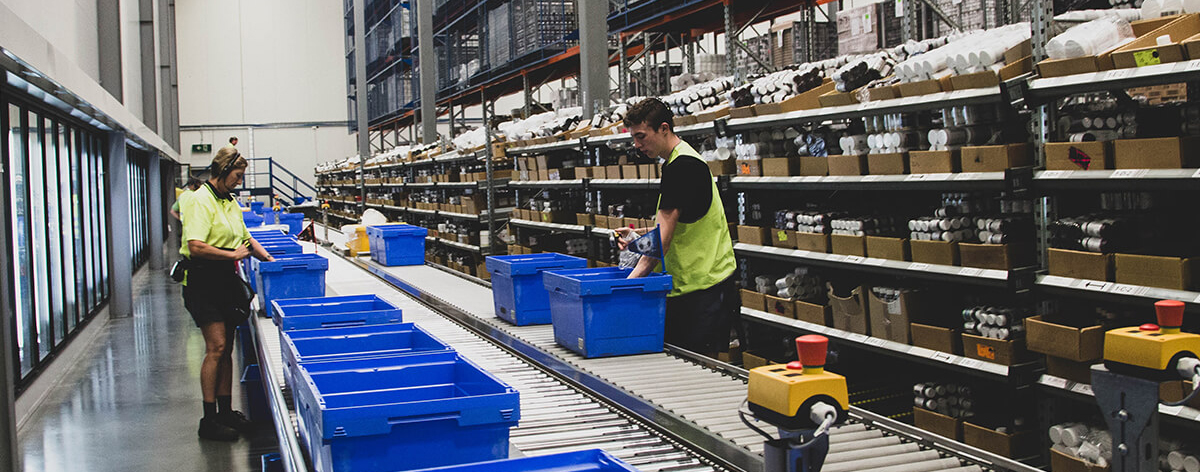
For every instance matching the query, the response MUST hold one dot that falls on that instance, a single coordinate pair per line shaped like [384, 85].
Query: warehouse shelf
[1017, 279]
[1020, 374]
[501, 213]
[1115, 292]
[548, 147]
[959, 181]
[1131, 179]
[979, 96]
[456, 244]
[551, 226]
[1083, 391]
[625, 183]
[1043, 90]
[540, 184]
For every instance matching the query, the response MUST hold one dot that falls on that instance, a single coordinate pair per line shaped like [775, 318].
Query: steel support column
[909, 26]
[427, 61]
[120, 247]
[154, 196]
[488, 111]
[731, 33]
[360, 97]
[10, 459]
[593, 56]
[623, 71]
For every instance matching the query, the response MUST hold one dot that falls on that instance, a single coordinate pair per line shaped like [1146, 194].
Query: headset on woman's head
[229, 166]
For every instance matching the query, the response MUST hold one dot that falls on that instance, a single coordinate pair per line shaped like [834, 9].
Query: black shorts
[700, 321]
[212, 294]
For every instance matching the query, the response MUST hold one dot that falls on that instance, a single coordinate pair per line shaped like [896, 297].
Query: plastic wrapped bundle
[1091, 38]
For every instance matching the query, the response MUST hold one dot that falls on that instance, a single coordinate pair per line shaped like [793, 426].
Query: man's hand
[624, 235]
[241, 252]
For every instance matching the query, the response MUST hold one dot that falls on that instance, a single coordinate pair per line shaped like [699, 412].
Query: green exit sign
[201, 148]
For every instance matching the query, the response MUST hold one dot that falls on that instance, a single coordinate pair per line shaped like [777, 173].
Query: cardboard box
[583, 172]
[562, 174]
[994, 350]
[783, 238]
[1076, 65]
[780, 166]
[813, 313]
[1080, 264]
[848, 245]
[890, 320]
[600, 172]
[814, 165]
[543, 174]
[734, 356]
[848, 164]
[585, 219]
[725, 167]
[1155, 271]
[816, 242]
[752, 235]
[1155, 153]
[810, 100]
[879, 93]
[749, 167]
[713, 114]
[995, 158]
[994, 256]
[1145, 51]
[647, 171]
[612, 172]
[741, 112]
[936, 338]
[937, 423]
[1060, 462]
[1175, 390]
[923, 87]
[1018, 52]
[887, 164]
[1067, 342]
[1080, 372]
[751, 360]
[983, 79]
[1014, 446]
[1192, 46]
[850, 313]
[780, 307]
[753, 300]
[934, 252]
[835, 98]
[630, 172]
[1144, 26]
[767, 109]
[685, 120]
[1091, 155]
[934, 162]
[1016, 69]
[895, 249]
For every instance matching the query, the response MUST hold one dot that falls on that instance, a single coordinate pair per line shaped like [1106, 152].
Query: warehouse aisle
[136, 405]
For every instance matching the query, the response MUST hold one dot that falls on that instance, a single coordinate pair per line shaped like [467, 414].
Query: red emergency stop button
[1148, 327]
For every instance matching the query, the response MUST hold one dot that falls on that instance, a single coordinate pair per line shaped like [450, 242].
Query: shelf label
[1119, 74]
[1193, 64]
[927, 177]
[793, 180]
[870, 178]
[1084, 389]
[1056, 382]
[1055, 174]
[835, 258]
[1096, 285]
[1128, 173]
[869, 105]
[876, 342]
[1170, 410]
[855, 259]
[1148, 57]
[832, 178]
[941, 356]
[967, 176]
[918, 266]
[970, 271]
[1123, 289]
[858, 338]
[812, 178]
[875, 261]
[971, 363]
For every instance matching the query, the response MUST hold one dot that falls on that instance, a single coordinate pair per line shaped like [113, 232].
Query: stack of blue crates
[600, 312]
[518, 294]
[373, 393]
[294, 221]
[397, 244]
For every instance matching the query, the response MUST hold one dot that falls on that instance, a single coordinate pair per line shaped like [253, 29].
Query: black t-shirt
[687, 187]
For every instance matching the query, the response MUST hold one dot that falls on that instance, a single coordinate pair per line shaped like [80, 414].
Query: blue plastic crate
[257, 207]
[600, 313]
[292, 276]
[591, 460]
[294, 221]
[400, 413]
[251, 219]
[266, 233]
[397, 245]
[334, 312]
[312, 346]
[517, 289]
[269, 217]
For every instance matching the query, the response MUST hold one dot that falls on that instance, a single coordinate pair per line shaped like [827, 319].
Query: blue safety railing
[272, 179]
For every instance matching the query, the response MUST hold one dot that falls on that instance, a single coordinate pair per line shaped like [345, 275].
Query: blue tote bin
[295, 276]
[600, 313]
[294, 221]
[397, 245]
[334, 312]
[518, 294]
[313, 346]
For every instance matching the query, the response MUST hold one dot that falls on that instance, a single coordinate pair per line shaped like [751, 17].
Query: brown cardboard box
[881, 93]
[780, 166]
[1155, 153]
[685, 120]
[752, 235]
[924, 87]
[890, 321]
[543, 174]
[1145, 51]
[1018, 52]
[850, 313]
[1067, 342]
[848, 245]
[713, 114]
[814, 165]
[585, 219]
[936, 338]
[1175, 390]
[1155, 271]
[749, 167]
[848, 165]
[583, 172]
[741, 112]
[1060, 462]
[782, 238]
[753, 300]
[1080, 264]
[779, 306]
[816, 242]
[934, 252]
[993, 256]
[767, 109]
[725, 167]
[994, 350]
[995, 158]
[937, 423]
[887, 164]
[1144, 26]
[1016, 69]
[630, 172]
[1192, 46]
[599, 172]
[934, 162]
[751, 360]
[613, 172]
[734, 356]
[813, 313]
[1077, 65]
[983, 79]
[1091, 155]
[1014, 446]
[895, 249]
[647, 171]
[835, 98]
[810, 100]
[645, 223]
[1080, 372]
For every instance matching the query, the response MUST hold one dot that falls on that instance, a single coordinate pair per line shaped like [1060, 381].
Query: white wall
[70, 27]
[263, 62]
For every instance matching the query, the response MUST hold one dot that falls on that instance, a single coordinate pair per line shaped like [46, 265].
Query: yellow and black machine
[1136, 361]
[803, 401]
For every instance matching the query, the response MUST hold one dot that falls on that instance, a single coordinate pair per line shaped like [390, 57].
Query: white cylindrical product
[1175, 459]
[1073, 435]
[1191, 463]
[1056, 433]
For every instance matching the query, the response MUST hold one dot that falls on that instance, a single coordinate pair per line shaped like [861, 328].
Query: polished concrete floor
[135, 405]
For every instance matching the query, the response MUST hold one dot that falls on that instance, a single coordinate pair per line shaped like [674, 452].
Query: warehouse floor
[136, 405]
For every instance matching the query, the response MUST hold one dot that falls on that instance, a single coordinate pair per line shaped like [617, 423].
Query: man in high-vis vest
[698, 250]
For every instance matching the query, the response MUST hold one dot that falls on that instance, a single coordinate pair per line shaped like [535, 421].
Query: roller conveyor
[683, 398]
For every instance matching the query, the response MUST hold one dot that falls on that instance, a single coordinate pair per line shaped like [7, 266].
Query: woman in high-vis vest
[698, 250]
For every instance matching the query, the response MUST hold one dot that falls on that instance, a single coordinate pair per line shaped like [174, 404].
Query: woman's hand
[241, 252]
